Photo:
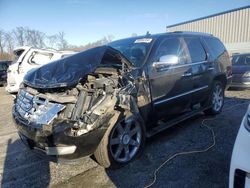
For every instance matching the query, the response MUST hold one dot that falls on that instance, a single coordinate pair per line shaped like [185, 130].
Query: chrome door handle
[211, 68]
[187, 74]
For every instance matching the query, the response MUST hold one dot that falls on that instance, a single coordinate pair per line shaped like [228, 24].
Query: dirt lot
[22, 168]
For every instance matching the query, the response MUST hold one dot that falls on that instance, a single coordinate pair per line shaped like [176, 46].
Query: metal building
[232, 27]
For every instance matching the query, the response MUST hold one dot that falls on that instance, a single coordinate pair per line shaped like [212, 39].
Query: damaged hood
[67, 71]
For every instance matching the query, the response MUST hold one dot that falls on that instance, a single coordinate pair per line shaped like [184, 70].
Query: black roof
[212, 15]
[155, 36]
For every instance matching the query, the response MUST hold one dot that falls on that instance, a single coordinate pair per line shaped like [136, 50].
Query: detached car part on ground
[106, 100]
[28, 58]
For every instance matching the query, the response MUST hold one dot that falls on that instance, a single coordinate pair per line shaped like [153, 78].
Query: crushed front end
[63, 109]
[68, 123]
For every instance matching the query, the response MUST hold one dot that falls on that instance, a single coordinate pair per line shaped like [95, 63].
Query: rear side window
[40, 58]
[172, 46]
[215, 46]
[196, 50]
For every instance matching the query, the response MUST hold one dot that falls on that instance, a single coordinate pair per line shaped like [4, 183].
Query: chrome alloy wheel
[125, 140]
[218, 98]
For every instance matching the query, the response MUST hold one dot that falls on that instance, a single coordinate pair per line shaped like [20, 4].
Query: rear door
[201, 68]
[170, 85]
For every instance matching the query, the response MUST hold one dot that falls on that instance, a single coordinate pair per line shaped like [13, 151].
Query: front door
[170, 85]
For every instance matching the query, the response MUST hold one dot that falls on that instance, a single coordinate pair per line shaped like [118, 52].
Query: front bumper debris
[36, 109]
[57, 144]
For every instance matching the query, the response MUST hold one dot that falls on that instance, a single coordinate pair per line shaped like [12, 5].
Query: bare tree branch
[61, 41]
[2, 41]
[19, 34]
[9, 42]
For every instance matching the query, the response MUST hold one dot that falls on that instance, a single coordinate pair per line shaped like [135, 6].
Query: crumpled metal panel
[68, 71]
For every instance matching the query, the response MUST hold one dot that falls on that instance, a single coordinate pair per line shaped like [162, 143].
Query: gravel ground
[22, 168]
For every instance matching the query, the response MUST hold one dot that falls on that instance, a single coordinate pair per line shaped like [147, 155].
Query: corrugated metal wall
[232, 28]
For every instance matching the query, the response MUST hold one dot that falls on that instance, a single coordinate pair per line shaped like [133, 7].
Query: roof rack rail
[193, 32]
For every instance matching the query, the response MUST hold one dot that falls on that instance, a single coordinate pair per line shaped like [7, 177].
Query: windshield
[241, 60]
[134, 49]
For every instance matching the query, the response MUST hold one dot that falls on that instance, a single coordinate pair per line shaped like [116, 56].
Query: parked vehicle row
[106, 100]
[28, 58]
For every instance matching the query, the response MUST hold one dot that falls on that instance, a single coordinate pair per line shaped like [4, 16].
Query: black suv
[106, 100]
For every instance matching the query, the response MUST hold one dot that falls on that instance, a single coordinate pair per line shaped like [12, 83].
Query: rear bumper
[56, 144]
[242, 82]
[240, 85]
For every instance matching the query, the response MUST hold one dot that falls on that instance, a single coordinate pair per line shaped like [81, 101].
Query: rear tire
[216, 99]
[121, 143]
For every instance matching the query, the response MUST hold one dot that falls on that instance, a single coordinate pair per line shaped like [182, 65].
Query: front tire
[216, 99]
[121, 143]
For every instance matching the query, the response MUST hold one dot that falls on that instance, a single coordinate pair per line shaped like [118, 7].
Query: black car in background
[106, 100]
[3, 72]
[241, 70]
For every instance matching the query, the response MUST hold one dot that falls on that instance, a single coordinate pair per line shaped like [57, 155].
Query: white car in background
[240, 162]
[28, 58]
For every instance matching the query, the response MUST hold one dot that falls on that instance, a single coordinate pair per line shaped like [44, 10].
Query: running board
[165, 125]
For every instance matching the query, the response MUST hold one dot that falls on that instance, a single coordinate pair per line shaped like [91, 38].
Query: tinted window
[241, 60]
[171, 46]
[215, 46]
[196, 50]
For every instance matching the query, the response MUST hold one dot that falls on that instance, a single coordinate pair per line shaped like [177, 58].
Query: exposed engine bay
[90, 104]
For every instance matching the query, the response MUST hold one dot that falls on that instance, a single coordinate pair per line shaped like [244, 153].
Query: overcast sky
[86, 21]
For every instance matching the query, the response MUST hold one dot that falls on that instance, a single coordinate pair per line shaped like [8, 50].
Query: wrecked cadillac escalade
[106, 100]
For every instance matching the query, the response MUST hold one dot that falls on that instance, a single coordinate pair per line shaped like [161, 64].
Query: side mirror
[165, 61]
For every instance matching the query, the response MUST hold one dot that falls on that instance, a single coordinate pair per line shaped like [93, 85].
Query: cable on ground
[203, 124]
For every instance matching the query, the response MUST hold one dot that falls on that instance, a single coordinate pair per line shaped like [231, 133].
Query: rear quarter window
[215, 46]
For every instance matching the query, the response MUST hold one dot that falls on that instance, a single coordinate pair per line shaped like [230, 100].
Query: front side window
[195, 49]
[172, 46]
